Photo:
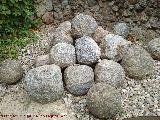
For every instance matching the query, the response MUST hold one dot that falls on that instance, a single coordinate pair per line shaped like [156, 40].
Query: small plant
[16, 18]
[10, 47]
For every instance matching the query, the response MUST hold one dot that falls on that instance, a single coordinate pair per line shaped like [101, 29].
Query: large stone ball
[10, 71]
[110, 45]
[109, 72]
[104, 101]
[83, 25]
[154, 48]
[87, 50]
[44, 84]
[78, 79]
[63, 55]
[137, 62]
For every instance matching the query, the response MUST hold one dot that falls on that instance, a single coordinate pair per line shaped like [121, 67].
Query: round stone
[87, 50]
[62, 34]
[104, 101]
[63, 55]
[121, 29]
[154, 48]
[99, 34]
[44, 84]
[83, 25]
[42, 60]
[110, 45]
[109, 72]
[137, 62]
[61, 37]
[10, 71]
[65, 27]
[78, 79]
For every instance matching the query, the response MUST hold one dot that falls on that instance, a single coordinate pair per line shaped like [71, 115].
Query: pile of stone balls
[86, 59]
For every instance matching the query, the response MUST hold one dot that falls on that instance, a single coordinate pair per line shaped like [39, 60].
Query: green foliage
[16, 16]
[10, 47]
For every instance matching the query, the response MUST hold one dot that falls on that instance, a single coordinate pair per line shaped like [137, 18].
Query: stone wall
[141, 12]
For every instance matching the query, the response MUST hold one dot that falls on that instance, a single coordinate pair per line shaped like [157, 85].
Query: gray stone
[154, 48]
[78, 79]
[83, 25]
[61, 37]
[110, 45]
[62, 34]
[10, 71]
[87, 50]
[63, 55]
[47, 18]
[104, 101]
[109, 72]
[65, 27]
[121, 29]
[44, 84]
[153, 22]
[42, 60]
[137, 62]
[99, 34]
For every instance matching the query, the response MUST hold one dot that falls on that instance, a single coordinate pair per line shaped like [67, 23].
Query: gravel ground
[140, 98]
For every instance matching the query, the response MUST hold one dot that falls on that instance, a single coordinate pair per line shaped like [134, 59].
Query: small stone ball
[137, 62]
[110, 45]
[104, 101]
[10, 71]
[109, 72]
[78, 79]
[121, 29]
[83, 25]
[63, 55]
[87, 50]
[44, 84]
[154, 48]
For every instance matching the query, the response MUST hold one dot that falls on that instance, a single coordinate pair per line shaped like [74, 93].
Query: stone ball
[10, 71]
[99, 34]
[109, 72]
[42, 60]
[104, 101]
[61, 37]
[137, 62]
[110, 45]
[87, 50]
[83, 25]
[121, 29]
[62, 34]
[63, 55]
[78, 79]
[154, 48]
[44, 84]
